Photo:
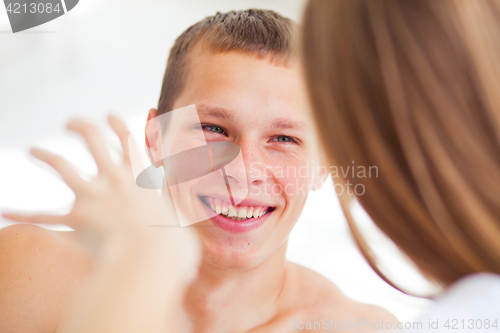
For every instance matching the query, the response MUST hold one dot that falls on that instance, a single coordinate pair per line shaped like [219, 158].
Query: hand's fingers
[95, 143]
[123, 133]
[69, 175]
[38, 219]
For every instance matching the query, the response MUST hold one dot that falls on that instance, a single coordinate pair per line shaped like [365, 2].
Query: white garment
[469, 305]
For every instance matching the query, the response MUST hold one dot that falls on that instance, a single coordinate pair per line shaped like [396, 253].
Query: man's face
[263, 109]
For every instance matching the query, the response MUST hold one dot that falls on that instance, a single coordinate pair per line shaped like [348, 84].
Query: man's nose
[254, 171]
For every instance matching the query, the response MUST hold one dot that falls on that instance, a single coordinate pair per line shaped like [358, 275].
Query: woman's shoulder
[469, 304]
[312, 298]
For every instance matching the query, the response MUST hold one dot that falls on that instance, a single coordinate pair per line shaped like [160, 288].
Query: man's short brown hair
[263, 33]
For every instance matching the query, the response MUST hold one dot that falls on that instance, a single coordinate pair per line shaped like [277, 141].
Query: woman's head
[413, 87]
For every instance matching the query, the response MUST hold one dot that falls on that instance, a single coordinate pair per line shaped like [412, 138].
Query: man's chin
[227, 258]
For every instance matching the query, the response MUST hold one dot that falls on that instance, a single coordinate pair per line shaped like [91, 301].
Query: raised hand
[110, 204]
[142, 272]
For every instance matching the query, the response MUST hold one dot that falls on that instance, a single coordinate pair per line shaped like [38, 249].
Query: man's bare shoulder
[39, 271]
[317, 303]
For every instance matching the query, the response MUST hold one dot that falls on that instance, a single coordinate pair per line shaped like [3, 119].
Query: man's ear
[321, 174]
[152, 136]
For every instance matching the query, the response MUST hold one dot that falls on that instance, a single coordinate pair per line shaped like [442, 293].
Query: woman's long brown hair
[413, 88]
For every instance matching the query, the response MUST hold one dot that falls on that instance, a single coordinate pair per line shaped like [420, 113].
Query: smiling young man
[239, 69]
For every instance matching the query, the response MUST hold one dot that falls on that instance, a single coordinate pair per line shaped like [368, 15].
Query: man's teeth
[239, 213]
[232, 212]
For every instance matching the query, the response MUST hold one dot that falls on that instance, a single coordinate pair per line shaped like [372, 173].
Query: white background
[110, 56]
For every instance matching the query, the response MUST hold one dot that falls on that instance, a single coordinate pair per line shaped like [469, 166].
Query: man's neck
[236, 300]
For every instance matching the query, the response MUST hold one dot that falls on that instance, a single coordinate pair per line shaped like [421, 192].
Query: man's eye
[284, 139]
[215, 129]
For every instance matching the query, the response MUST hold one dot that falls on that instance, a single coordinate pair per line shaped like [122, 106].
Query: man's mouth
[238, 212]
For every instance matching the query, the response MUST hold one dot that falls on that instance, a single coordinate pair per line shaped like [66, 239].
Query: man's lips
[246, 209]
[238, 201]
[249, 214]
[240, 225]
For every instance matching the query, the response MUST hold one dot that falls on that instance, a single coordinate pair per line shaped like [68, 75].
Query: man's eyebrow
[285, 123]
[231, 115]
[216, 112]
